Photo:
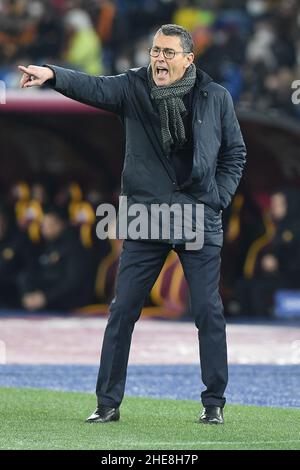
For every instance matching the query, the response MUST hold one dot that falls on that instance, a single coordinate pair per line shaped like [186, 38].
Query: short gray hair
[176, 30]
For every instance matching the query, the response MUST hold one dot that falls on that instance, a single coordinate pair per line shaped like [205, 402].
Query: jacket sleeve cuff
[52, 82]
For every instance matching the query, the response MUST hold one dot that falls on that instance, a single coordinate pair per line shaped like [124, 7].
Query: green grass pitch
[42, 419]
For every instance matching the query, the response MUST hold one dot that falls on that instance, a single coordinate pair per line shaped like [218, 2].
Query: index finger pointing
[24, 69]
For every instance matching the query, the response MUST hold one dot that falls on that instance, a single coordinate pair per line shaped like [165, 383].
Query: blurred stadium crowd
[49, 252]
[51, 258]
[252, 47]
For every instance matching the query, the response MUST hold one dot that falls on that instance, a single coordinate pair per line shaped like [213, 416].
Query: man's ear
[190, 59]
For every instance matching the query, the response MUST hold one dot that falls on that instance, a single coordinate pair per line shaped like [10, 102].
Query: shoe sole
[97, 421]
[209, 422]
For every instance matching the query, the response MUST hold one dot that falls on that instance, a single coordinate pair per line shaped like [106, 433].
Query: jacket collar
[202, 79]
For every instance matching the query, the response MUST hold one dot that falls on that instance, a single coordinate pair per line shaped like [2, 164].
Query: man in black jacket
[183, 146]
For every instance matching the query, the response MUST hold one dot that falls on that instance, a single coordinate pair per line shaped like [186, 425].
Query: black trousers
[139, 267]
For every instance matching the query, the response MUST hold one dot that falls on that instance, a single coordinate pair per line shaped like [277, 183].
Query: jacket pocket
[212, 219]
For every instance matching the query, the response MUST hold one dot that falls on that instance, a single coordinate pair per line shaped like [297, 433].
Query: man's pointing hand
[34, 75]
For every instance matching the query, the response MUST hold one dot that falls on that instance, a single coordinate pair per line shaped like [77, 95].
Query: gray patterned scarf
[171, 107]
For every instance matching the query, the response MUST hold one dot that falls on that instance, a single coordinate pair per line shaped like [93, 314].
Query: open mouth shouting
[162, 74]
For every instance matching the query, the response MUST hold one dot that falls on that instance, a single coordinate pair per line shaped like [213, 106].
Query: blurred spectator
[15, 255]
[28, 211]
[61, 278]
[39, 193]
[68, 196]
[83, 47]
[49, 35]
[278, 262]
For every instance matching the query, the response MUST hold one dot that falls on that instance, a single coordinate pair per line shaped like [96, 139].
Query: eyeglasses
[168, 53]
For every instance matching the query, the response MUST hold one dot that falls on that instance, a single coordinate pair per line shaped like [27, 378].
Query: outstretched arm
[106, 92]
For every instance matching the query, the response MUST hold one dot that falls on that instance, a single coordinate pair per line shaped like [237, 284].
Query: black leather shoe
[212, 415]
[104, 414]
